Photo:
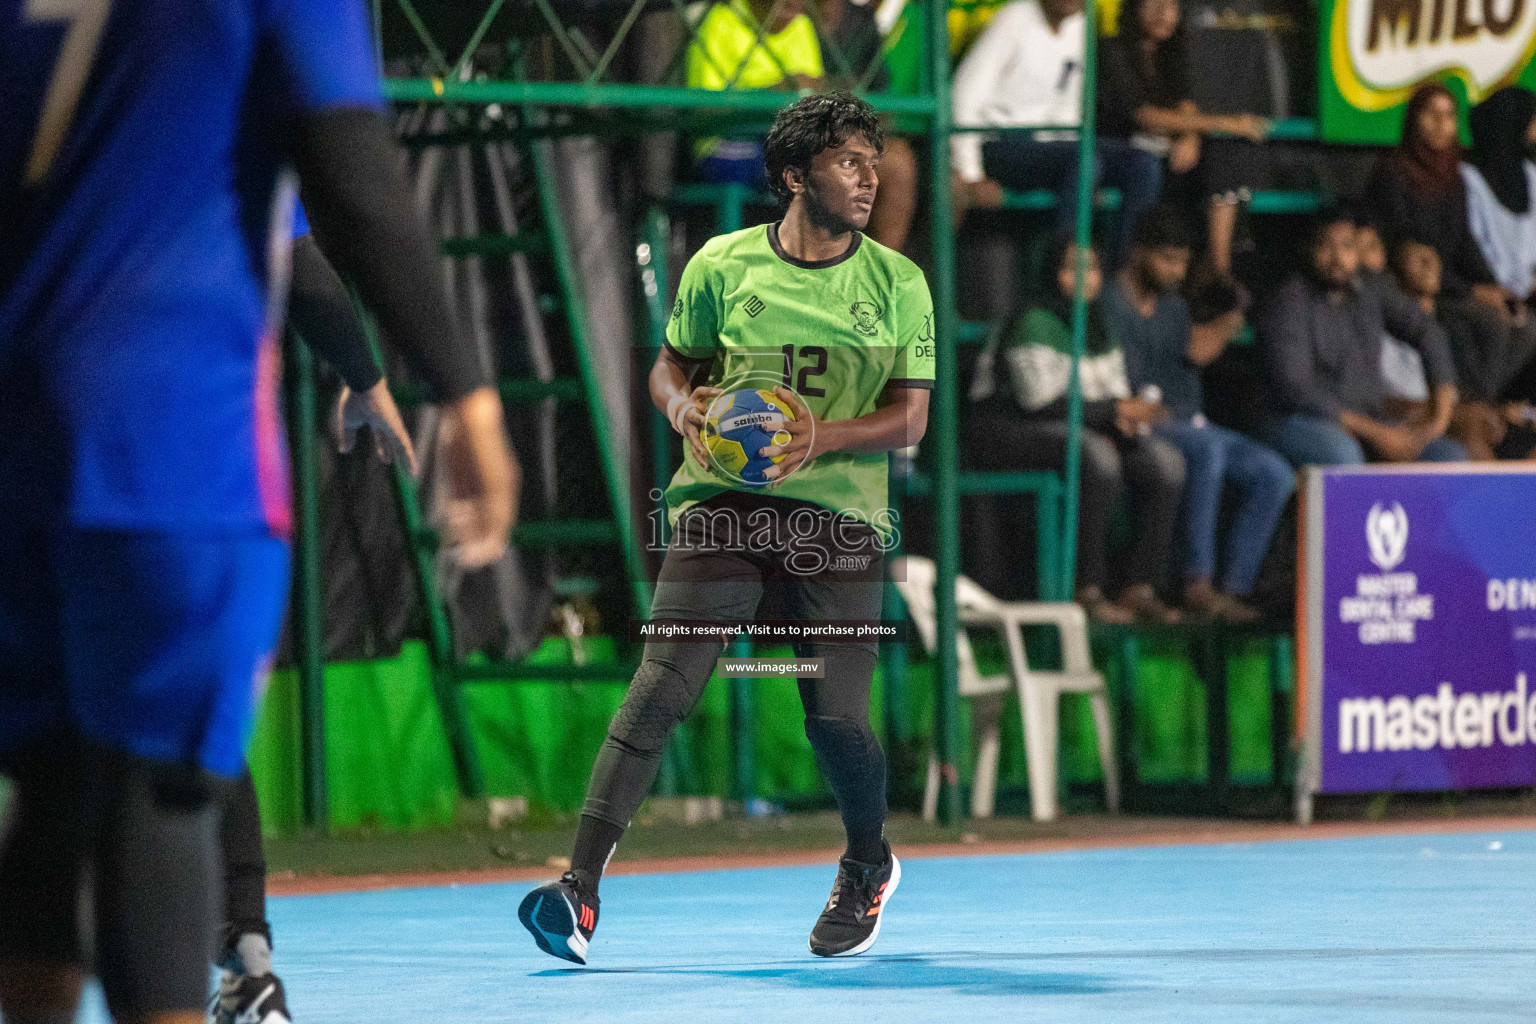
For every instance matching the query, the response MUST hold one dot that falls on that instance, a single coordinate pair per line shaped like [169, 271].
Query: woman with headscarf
[1500, 182]
[1419, 194]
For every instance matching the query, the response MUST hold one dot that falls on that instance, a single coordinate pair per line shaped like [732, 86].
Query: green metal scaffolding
[576, 93]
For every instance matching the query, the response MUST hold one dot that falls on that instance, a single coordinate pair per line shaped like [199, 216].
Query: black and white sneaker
[249, 999]
[561, 916]
[851, 922]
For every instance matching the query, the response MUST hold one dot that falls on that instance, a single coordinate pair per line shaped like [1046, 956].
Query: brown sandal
[1143, 601]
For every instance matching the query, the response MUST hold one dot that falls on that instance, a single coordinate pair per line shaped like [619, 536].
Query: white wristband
[676, 409]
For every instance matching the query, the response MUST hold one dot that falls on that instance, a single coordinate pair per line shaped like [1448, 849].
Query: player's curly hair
[810, 125]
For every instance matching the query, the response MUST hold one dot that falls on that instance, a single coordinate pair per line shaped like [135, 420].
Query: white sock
[254, 954]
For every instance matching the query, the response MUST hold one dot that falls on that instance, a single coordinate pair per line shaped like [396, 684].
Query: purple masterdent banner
[1428, 618]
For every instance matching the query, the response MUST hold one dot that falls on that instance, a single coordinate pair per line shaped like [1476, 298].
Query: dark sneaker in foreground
[561, 916]
[249, 999]
[851, 922]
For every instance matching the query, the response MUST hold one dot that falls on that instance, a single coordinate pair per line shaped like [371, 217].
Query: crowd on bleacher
[1404, 332]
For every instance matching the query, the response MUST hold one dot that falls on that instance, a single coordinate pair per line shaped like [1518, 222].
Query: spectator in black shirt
[1322, 344]
[1144, 91]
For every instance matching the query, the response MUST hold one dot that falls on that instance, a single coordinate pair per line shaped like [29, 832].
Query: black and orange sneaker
[851, 922]
[561, 916]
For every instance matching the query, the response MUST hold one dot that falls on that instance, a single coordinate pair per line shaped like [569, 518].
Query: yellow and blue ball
[735, 430]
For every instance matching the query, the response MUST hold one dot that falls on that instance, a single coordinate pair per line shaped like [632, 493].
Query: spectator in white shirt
[1026, 71]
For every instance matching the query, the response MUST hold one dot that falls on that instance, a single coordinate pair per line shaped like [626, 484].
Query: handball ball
[735, 431]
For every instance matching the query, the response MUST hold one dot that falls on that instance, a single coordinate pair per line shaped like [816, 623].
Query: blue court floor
[1404, 928]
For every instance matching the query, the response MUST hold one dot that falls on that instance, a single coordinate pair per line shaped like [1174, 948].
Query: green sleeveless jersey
[837, 332]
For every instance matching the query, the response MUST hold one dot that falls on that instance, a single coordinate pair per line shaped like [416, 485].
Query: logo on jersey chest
[753, 306]
[866, 318]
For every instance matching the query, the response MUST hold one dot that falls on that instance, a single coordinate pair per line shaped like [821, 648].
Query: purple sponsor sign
[1421, 638]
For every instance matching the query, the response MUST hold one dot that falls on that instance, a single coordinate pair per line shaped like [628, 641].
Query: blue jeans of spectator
[1314, 441]
[1213, 458]
[1020, 162]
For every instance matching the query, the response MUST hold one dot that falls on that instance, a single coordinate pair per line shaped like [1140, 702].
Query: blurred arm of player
[899, 422]
[320, 310]
[679, 401]
[358, 198]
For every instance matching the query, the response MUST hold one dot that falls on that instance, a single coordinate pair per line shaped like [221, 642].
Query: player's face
[841, 186]
[1334, 256]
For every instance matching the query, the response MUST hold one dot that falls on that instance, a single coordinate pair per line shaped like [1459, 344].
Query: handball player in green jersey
[840, 329]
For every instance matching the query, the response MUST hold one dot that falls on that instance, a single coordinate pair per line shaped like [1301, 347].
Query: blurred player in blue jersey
[143, 491]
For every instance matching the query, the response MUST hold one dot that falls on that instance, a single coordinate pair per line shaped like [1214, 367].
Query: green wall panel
[389, 765]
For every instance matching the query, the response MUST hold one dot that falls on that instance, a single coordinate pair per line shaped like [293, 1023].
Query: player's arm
[692, 341]
[357, 196]
[679, 401]
[321, 311]
[899, 422]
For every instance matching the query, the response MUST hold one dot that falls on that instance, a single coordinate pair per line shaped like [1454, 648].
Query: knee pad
[156, 892]
[851, 758]
[658, 700]
[844, 739]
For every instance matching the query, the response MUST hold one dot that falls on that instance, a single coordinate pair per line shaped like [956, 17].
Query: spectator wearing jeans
[1026, 70]
[1020, 423]
[1166, 346]
[1322, 345]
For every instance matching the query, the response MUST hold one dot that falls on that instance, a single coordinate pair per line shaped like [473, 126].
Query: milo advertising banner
[1372, 53]
[1417, 630]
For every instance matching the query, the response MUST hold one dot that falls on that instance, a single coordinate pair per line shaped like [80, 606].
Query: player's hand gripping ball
[736, 429]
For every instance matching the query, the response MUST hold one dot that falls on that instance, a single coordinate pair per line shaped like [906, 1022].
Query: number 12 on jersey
[817, 353]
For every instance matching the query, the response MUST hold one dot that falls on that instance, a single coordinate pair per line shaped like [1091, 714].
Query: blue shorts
[151, 644]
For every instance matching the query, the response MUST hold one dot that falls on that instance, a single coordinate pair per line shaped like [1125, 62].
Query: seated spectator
[1402, 371]
[1479, 427]
[1021, 424]
[1167, 344]
[772, 44]
[854, 30]
[1500, 182]
[1322, 346]
[1417, 192]
[1144, 95]
[1026, 70]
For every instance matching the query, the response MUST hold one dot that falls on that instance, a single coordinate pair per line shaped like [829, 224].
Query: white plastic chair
[1039, 692]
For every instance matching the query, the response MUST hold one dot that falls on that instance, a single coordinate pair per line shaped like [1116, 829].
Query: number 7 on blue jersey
[78, 52]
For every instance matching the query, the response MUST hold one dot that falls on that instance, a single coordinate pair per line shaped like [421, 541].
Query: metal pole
[744, 772]
[1085, 176]
[621, 95]
[946, 505]
[308, 599]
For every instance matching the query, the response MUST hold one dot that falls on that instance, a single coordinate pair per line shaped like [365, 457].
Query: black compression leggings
[705, 578]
